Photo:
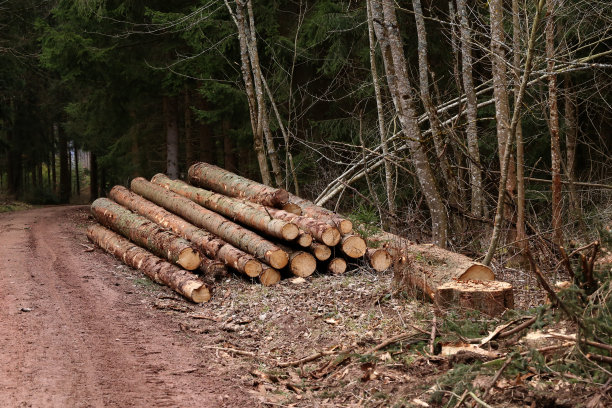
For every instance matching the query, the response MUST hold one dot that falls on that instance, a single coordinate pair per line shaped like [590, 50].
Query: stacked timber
[220, 221]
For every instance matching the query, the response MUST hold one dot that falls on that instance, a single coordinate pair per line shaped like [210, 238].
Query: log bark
[320, 251]
[181, 281]
[490, 297]
[206, 242]
[337, 266]
[379, 259]
[304, 239]
[353, 246]
[311, 210]
[426, 267]
[146, 233]
[320, 230]
[234, 234]
[231, 208]
[230, 184]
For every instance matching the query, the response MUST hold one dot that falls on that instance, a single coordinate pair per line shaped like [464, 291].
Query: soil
[78, 328]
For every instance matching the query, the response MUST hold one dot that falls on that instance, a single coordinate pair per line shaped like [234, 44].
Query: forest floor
[80, 329]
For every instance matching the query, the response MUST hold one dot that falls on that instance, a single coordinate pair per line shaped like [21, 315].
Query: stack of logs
[223, 220]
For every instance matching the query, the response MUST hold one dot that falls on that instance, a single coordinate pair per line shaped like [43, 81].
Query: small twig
[308, 359]
[89, 248]
[495, 333]
[478, 400]
[588, 342]
[575, 251]
[214, 319]
[599, 358]
[232, 350]
[518, 328]
[566, 262]
[432, 338]
[460, 402]
[419, 329]
[496, 377]
[388, 342]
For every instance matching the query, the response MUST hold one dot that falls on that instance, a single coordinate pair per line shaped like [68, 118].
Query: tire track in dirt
[87, 341]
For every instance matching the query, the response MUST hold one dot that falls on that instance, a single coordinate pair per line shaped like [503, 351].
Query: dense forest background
[399, 113]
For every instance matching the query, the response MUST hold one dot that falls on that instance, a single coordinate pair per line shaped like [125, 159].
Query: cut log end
[269, 276]
[292, 208]
[337, 266]
[200, 293]
[331, 236]
[290, 231]
[281, 197]
[253, 268]
[189, 259]
[478, 272]
[380, 259]
[345, 227]
[490, 297]
[213, 269]
[320, 251]
[277, 258]
[302, 264]
[304, 239]
[353, 246]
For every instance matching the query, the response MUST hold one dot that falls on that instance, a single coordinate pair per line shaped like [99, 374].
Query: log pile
[172, 230]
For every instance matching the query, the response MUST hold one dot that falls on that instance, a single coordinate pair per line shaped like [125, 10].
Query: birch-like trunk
[477, 202]
[387, 32]
[553, 124]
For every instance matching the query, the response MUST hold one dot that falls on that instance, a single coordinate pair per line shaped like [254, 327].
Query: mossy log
[225, 182]
[311, 210]
[234, 209]
[146, 233]
[209, 244]
[227, 230]
[181, 281]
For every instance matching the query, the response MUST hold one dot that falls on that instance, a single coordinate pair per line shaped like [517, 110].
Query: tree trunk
[379, 259]
[320, 251]
[256, 218]
[64, 185]
[93, 176]
[353, 246]
[172, 137]
[477, 202]
[234, 234]
[387, 32]
[183, 282]
[77, 178]
[311, 210]
[490, 297]
[553, 124]
[146, 233]
[53, 171]
[225, 182]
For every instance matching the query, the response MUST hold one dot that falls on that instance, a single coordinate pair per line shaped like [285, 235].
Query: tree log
[379, 259]
[320, 230]
[213, 268]
[225, 182]
[236, 235]
[311, 210]
[320, 251]
[207, 243]
[428, 266]
[236, 210]
[269, 276]
[337, 266]
[183, 282]
[490, 297]
[353, 246]
[292, 208]
[301, 263]
[304, 239]
[146, 233]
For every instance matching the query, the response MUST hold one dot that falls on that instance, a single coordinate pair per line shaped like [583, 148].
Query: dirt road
[74, 334]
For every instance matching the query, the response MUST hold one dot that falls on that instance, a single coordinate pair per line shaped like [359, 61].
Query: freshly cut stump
[209, 244]
[304, 239]
[337, 266]
[146, 233]
[490, 297]
[269, 276]
[237, 210]
[230, 184]
[353, 246]
[181, 281]
[379, 259]
[320, 251]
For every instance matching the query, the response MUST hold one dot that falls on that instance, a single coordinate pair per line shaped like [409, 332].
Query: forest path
[74, 334]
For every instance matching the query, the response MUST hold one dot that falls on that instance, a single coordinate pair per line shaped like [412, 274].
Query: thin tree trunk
[521, 235]
[76, 172]
[54, 131]
[64, 181]
[553, 124]
[389, 187]
[189, 152]
[387, 32]
[93, 176]
[477, 202]
[172, 136]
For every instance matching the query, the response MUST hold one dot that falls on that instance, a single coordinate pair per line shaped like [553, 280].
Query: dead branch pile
[221, 220]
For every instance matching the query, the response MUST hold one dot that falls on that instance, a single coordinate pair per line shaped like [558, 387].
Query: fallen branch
[478, 400]
[432, 338]
[599, 358]
[496, 377]
[308, 359]
[518, 328]
[389, 341]
[232, 350]
[588, 342]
